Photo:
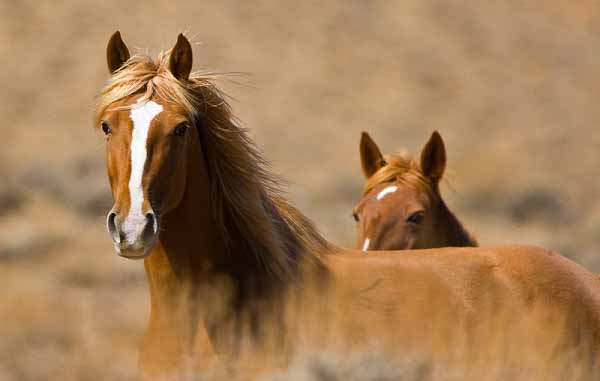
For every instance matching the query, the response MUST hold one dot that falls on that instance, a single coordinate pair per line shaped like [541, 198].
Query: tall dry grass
[325, 343]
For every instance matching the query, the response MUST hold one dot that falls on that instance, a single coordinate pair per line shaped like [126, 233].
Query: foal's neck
[453, 231]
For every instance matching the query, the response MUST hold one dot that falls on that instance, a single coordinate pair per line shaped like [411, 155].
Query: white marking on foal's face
[366, 244]
[386, 191]
[142, 115]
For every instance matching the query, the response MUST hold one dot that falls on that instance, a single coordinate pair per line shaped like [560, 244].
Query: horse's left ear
[180, 62]
[433, 158]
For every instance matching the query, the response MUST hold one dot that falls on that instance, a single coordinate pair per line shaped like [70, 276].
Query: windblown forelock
[153, 79]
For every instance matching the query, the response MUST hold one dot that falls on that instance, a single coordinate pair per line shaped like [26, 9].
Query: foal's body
[230, 262]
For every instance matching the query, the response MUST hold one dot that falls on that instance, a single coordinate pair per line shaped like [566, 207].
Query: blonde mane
[142, 75]
[254, 218]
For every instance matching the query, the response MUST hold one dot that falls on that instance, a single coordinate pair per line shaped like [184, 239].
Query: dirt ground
[512, 87]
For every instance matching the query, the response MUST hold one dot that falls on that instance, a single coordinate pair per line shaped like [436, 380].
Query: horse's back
[469, 286]
[517, 266]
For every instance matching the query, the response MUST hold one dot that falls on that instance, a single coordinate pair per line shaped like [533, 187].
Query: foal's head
[401, 207]
[148, 142]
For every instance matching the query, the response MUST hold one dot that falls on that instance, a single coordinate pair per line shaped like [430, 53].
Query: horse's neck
[188, 241]
[453, 231]
[192, 252]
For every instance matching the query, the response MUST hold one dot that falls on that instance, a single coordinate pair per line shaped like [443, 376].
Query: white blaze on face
[386, 191]
[366, 245]
[142, 115]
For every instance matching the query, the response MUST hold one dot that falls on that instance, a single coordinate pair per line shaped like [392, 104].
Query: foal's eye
[105, 128]
[180, 129]
[415, 218]
[355, 216]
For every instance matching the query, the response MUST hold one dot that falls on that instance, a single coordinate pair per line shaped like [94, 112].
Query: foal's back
[463, 287]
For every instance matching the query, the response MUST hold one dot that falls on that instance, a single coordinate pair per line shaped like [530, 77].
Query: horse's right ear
[116, 52]
[371, 158]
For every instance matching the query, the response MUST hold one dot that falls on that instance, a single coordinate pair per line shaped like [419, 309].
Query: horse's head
[148, 143]
[400, 202]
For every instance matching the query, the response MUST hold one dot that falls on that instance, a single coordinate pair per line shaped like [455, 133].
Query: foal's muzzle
[134, 237]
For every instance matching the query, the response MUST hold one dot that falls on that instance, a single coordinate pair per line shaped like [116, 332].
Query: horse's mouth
[135, 256]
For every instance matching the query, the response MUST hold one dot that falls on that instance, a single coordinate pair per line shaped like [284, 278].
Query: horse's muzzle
[133, 237]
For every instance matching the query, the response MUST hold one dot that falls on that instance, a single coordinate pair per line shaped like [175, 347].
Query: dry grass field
[512, 86]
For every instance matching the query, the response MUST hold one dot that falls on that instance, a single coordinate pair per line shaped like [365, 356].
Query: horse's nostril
[111, 225]
[152, 222]
[110, 222]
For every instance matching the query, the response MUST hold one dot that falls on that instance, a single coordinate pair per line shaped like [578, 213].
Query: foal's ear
[180, 62]
[116, 52]
[433, 157]
[371, 158]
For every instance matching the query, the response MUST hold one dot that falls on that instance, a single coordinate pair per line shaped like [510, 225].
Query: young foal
[223, 251]
[401, 207]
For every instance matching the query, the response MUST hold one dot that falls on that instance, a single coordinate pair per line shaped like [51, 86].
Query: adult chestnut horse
[223, 250]
[401, 207]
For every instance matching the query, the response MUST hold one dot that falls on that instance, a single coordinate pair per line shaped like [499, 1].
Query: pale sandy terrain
[512, 86]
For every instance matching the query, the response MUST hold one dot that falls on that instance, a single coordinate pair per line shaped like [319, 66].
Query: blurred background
[512, 86]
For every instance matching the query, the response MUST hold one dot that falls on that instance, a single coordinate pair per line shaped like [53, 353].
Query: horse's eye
[180, 129]
[415, 218]
[355, 216]
[105, 128]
